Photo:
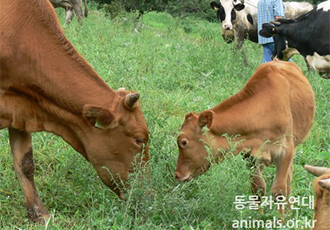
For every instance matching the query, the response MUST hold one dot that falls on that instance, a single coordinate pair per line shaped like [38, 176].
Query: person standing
[269, 10]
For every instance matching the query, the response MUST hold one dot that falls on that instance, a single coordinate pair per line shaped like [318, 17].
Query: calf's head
[192, 143]
[117, 136]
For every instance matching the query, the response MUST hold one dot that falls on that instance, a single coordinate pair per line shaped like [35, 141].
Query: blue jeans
[268, 51]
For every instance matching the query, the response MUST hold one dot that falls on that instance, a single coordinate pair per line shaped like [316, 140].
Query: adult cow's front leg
[79, 12]
[21, 148]
[69, 15]
[240, 37]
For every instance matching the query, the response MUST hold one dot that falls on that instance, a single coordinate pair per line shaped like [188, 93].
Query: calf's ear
[100, 117]
[205, 119]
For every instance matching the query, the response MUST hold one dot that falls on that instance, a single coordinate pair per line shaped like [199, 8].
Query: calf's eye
[183, 143]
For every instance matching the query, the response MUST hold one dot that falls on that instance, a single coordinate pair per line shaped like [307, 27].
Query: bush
[114, 9]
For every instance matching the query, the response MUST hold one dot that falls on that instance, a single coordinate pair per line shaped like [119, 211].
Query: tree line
[177, 8]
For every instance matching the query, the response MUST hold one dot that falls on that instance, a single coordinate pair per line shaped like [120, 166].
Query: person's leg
[268, 52]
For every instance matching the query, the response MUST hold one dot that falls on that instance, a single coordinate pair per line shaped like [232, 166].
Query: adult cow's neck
[44, 82]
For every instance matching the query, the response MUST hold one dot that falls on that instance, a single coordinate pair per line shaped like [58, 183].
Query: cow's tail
[86, 8]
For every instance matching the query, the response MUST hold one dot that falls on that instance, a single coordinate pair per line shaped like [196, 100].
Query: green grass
[176, 71]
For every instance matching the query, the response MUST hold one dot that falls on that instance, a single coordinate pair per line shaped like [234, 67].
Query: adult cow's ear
[131, 100]
[215, 6]
[99, 117]
[205, 119]
[268, 30]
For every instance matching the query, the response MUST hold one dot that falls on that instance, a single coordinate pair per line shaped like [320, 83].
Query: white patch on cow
[295, 9]
[319, 63]
[253, 3]
[241, 16]
[325, 6]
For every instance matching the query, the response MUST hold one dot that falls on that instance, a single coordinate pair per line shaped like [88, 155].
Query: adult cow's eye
[139, 141]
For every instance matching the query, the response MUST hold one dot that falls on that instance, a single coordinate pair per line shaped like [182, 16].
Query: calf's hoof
[39, 215]
[43, 219]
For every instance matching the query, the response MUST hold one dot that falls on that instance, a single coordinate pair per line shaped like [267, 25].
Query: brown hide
[273, 113]
[322, 202]
[46, 85]
[322, 196]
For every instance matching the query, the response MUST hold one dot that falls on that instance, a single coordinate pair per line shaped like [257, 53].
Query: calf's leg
[258, 183]
[284, 168]
[289, 180]
[21, 147]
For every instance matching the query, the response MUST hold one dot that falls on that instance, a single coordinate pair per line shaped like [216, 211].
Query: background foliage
[196, 8]
[176, 69]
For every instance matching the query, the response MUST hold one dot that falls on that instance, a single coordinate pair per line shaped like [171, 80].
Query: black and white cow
[308, 35]
[240, 25]
[241, 18]
[70, 6]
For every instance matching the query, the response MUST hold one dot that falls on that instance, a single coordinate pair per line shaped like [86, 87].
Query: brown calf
[322, 200]
[273, 113]
[46, 85]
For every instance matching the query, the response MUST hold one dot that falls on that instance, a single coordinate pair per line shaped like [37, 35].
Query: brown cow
[322, 200]
[46, 85]
[273, 113]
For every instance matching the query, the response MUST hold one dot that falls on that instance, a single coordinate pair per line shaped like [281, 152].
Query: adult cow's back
[46, 85]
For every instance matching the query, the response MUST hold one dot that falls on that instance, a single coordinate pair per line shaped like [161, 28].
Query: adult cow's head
[284, 47]
[117, 136]
[192, 146]
[225, 13]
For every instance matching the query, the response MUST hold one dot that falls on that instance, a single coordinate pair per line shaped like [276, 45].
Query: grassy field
[176, 71]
